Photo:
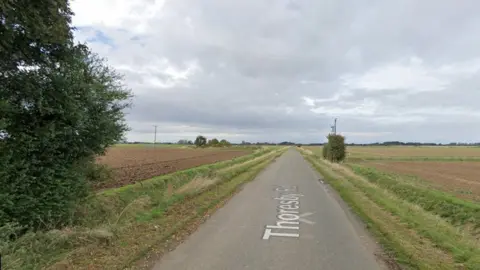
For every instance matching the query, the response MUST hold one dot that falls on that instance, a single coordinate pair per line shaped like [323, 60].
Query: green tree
[225, 143]
[200, 141]
[61, 106]
[213, 142]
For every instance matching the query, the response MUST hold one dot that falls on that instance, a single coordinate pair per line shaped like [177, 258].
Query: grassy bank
[116, 227]
[372, 158]
[416, 237]
[445, 205]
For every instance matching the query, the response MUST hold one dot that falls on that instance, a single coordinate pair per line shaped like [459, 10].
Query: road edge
[385, 261]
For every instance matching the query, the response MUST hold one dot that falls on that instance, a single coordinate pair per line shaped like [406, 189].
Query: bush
[98, 173]
[335, 149]
[325, 151]
[61, 106]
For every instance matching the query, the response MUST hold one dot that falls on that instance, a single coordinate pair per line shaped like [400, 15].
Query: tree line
[399, 143]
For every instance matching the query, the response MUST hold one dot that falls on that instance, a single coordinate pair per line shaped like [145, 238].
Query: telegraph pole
[155, 136]
[334, 127]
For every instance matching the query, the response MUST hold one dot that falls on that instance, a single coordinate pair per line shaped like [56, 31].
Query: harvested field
[412, 151]
[134, 164]
[459, 178]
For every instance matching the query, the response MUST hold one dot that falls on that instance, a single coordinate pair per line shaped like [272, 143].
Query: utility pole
[155, 136]
[334, 127]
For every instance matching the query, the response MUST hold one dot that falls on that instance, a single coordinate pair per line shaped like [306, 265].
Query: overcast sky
[264, 70]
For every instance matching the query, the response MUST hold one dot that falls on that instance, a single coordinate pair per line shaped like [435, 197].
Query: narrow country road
[284, 219]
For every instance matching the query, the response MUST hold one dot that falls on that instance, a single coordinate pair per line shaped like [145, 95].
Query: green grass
[417, 238]
[110, 222]
[418, 158]
[445, 205]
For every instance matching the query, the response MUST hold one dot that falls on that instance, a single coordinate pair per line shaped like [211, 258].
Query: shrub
[325, 151]
[97, 173]
[335, 149]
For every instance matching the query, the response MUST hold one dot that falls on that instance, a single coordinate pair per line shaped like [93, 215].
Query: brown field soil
[131, 165]
[459, 178]
[411, 151]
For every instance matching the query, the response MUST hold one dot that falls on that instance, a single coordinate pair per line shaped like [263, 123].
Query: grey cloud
[254, 57]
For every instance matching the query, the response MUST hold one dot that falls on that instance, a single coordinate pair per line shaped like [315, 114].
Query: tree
[225, 143]
[213, 142]
[200, 141]
[182, 142]
[61, 106]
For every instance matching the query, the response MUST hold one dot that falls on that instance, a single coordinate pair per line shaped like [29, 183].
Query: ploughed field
[455, 170]
[443, 152]
[132, 164]
[459, 178]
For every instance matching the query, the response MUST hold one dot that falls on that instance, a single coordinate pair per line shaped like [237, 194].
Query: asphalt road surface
[285, 219]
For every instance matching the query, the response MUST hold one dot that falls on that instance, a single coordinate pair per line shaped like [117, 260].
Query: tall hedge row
[60, 106]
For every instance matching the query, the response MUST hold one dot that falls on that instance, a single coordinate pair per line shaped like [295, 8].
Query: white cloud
[130, 15]
[367, 107]
[365, 134]
[170, 76]
[460, 69]
[308, 101]
[410, 76]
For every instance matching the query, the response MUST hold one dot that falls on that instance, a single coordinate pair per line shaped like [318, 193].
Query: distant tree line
[387, 143]
[201, 141]
[395, 143]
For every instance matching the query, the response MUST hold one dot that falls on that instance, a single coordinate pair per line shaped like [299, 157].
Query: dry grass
[197, 184]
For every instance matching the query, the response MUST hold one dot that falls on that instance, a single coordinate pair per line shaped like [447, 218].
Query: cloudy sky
[264, 70]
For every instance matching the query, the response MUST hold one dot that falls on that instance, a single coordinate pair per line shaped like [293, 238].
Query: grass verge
[416, 238]
[117, 227]
[419, 158]
[445, 205]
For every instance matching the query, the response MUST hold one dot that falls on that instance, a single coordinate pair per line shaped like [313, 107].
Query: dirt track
[134, 164]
